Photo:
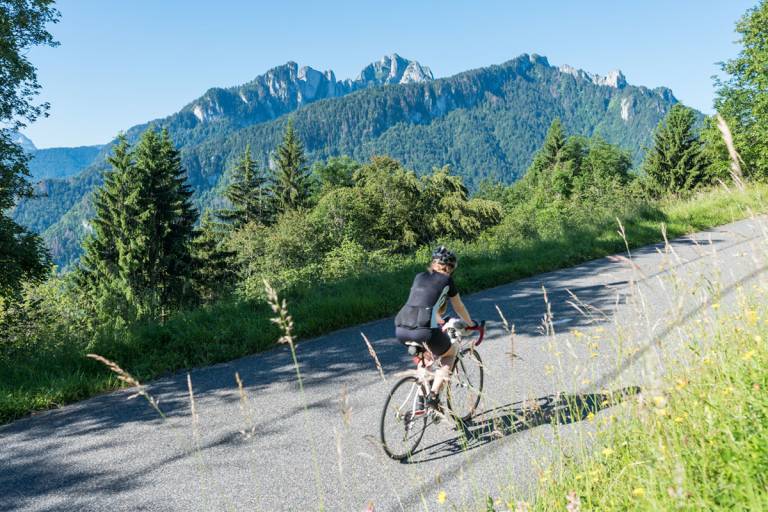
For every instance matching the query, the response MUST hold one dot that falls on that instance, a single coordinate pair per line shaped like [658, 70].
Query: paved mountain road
[108, 453]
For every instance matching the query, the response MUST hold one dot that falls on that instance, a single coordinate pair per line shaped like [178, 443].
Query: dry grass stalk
[668, 247]
[346, 408]
[339, 452]
[250, 426]
[547, 323]
[192, 404]
[510, 329]
[283, 320]
[736, 173]
[586, 310]
[375, 357]
[126, 377]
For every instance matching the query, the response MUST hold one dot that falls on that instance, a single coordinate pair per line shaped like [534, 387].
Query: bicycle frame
[422, 367]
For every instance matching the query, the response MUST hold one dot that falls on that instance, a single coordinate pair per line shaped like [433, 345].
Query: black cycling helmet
[444, 256]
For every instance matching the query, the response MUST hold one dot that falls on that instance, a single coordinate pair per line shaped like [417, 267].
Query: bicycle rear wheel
[404, 418]
[466, 384]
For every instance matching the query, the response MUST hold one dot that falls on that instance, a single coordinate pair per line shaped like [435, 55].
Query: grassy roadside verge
[699, 441]
[57, 372]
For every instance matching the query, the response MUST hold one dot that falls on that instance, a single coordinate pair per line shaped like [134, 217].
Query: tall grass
[699, 441]
[55, 371]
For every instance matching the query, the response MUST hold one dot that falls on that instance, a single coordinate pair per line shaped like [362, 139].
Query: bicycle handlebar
[480, 327]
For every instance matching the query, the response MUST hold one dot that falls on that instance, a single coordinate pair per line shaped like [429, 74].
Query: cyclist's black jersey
[428, 295]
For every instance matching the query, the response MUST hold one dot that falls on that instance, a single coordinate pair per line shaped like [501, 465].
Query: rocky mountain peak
[24, 142]
[615, 78]
[394, 69]
[287, 87]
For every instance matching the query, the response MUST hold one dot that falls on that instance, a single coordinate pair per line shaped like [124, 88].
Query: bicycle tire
[392, 410]
[461, 380]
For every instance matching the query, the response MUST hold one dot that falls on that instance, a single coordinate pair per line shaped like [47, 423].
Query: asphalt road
[269, 453]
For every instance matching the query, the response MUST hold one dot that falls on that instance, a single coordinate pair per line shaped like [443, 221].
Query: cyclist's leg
[445, 352]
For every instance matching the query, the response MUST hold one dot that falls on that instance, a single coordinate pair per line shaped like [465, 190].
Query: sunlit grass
[699, 441]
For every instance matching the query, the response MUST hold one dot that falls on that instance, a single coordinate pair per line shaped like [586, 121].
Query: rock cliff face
[288, 87]
[614, 78]
[24, 142]
[393, 69]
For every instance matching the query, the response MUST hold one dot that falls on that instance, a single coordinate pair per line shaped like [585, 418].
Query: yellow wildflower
[607, 452]
[441, 497]
[638, 491]
[591, 416]
[748, 355]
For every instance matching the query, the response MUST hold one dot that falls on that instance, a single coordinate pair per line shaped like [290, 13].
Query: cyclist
[421, 318]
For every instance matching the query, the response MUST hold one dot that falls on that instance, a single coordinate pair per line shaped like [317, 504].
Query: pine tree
[99, 273]
[557, 163]
[214, 264]
[248, 195]
[676, 161]
[551, 152]
[140, 251]
[291, 182]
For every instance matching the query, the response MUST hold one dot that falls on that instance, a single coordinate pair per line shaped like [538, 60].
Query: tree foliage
[248, 195]
[22, 26]
[215, 268]
[290, 181]
[742, 96]
[138, 259]
[676, 161]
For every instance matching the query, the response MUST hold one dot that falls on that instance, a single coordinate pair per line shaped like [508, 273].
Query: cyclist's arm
[460, 310]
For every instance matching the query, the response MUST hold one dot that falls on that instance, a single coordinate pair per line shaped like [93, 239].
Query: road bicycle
[406, 416]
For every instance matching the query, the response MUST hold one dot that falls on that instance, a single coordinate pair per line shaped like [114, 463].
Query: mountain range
[486, 122]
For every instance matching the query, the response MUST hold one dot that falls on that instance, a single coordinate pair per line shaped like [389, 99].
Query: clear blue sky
[121, 63]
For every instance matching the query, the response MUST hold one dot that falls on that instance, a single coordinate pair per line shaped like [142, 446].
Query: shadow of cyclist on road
[503, 421]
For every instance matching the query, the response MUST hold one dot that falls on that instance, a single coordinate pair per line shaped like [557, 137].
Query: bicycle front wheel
[466, 384]
[404, 418]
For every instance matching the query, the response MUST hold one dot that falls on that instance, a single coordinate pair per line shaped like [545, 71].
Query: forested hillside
[61, 162]
[483, 123]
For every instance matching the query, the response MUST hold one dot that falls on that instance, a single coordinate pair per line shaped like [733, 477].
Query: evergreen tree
[552, 151]
[742, 99]
[22, 26]
[140, 252]
[291, 180]
[214, 263]
[676, 161]
[248, 195]
[557, 163]
[99, 273]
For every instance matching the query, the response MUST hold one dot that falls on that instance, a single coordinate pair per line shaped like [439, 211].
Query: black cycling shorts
[436, 340]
